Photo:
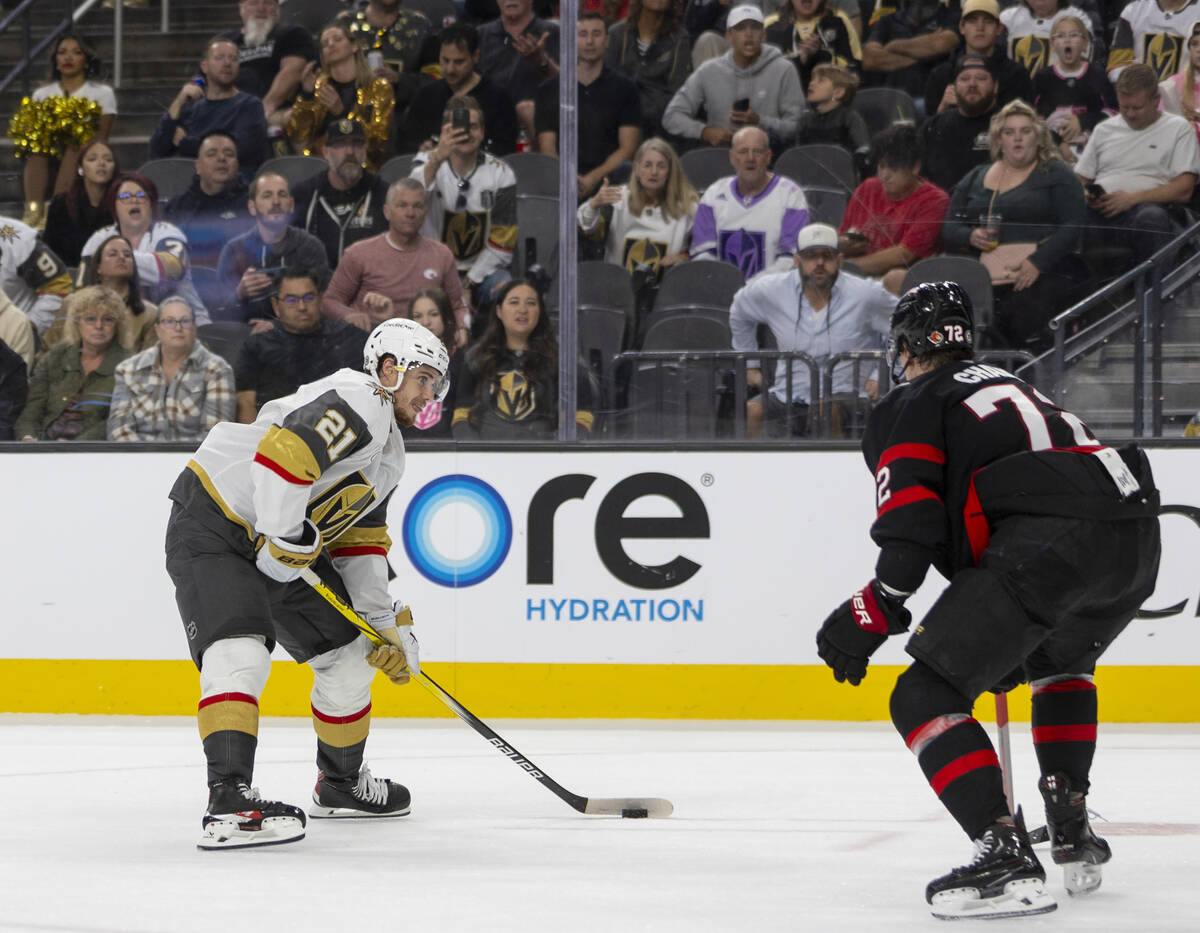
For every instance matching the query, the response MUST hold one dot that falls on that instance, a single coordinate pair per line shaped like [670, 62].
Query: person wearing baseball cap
[817, 309]
[979, 26]
[752, 84]
[956, 140]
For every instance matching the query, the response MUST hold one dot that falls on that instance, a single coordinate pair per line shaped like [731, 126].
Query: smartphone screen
[742, 103]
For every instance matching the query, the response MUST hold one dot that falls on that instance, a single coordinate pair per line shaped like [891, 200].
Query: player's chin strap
[612, 806]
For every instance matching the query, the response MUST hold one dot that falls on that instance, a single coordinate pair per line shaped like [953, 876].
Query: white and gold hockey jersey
[1029, 35]
[634, 240]
[31, 275]
[330, 452]
[1149, 34]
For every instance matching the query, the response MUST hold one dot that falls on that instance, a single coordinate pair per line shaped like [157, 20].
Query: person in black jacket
[980, 28]
[14, 389]
[213, 209]
[651, 46]
[1050, 543]
[956, 140]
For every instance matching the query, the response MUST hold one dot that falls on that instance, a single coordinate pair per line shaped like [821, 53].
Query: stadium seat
[396, 167]
[295, 168]
[819, 165]
[970, 273]
[688, 329]
[606, 319]
[537, 174]
[705, 165]
[220, 304]
[827, 205]
[171, 176]
[224, 338]
[537, 236]
[880, 107]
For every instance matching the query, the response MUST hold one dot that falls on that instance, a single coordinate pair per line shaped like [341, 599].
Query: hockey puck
[635, 813]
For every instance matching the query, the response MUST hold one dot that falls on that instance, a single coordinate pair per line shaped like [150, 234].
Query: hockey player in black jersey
[1050, 541]
[307, 484]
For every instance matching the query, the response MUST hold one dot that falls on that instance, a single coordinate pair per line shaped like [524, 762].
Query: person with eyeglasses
[160, 249]
[72, 386]
[378, 277]
[472, 201]
[1072, 94]
[1030, 26]
[304, 345]
[177, 390]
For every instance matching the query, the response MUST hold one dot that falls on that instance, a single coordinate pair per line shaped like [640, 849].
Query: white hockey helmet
[409, 344]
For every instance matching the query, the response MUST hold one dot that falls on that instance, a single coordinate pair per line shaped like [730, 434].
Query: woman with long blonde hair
[1027, 208]
[649, 221]
[342, 88]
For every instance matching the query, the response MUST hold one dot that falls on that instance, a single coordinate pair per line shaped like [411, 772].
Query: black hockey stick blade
[633, 807]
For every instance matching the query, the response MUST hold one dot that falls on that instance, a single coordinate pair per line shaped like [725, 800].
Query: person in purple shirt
[750, 219]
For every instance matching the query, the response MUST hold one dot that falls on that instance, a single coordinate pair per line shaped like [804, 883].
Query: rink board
[580, 584]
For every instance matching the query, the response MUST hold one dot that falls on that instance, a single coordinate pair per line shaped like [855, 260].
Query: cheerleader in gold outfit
[343, 87]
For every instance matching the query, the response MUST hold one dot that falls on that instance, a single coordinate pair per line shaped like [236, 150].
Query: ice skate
[1073, 845]
[237, 818]
[364, 796]
[1004, 879]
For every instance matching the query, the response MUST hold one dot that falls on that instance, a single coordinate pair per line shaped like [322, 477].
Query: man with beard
[213, 210]
[251, 263]
[345, 204]
[981, 32]
[905, 46]
[378, 277]
[518, 52]
[956, 140]
[458, 56]
[815, 309]
[214, 105]
[272, 56]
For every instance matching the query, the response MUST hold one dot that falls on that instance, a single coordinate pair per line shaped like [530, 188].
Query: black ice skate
[1073, 845]
[1004, 879]
[364, 796]
[237, 818]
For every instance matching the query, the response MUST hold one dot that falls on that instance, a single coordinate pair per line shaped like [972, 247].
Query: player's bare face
[425, 312]
[653, 171]
[70, 59]
[457, 64]
[519, 312]
[298, 306]
[98, 165]
[417, 389]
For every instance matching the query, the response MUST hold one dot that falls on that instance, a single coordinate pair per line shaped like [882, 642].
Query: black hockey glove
[856, 628]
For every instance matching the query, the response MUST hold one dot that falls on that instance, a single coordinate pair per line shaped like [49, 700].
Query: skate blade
[319, 812]
[1020, 899]
[1081, 878]
[274, 831]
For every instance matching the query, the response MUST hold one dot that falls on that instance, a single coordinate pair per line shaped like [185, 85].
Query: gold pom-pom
[47, 127]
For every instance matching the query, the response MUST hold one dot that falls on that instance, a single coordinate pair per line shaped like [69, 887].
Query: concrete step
[194, 14]
[145, 97]
[139, 41]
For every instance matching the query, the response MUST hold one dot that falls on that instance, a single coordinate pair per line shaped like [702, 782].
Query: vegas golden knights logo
[334, 510]
[1161, 52]
[1033, 52]
[643, 252]
[464, 233]
[514, 397]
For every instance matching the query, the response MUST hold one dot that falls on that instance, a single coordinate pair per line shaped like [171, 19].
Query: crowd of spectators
[1036, 133]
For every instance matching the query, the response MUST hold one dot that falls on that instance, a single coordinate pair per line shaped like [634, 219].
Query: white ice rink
[776, 827]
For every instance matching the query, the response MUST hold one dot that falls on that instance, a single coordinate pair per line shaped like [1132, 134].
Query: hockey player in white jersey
[306, 484]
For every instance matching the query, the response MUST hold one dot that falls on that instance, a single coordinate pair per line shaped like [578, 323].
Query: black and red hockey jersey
[969, 444]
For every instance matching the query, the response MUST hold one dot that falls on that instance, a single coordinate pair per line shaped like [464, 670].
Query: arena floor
[777, 827]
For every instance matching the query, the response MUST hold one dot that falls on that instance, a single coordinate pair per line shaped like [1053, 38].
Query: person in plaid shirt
[174, 391]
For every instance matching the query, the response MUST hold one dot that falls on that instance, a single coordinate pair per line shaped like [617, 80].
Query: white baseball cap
[739, 14]
[817, 236]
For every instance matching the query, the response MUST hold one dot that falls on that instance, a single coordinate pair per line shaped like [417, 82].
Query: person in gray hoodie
[750, 85]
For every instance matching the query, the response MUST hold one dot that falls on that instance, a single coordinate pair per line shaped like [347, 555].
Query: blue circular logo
[463, 491]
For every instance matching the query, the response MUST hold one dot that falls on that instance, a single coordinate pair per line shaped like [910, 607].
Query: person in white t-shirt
[1135, 166]
[74, 66]
[649, 221]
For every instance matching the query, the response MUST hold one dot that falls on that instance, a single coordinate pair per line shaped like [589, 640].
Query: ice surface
[795, 826]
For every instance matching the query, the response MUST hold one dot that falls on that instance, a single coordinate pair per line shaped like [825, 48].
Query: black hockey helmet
[929, 317]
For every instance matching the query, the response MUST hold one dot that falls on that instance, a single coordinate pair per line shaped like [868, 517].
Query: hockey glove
[400, 657]
[283, 559]
[857, 627]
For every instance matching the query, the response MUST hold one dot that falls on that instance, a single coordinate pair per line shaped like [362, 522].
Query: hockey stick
[1006, 769]
[631, 807]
